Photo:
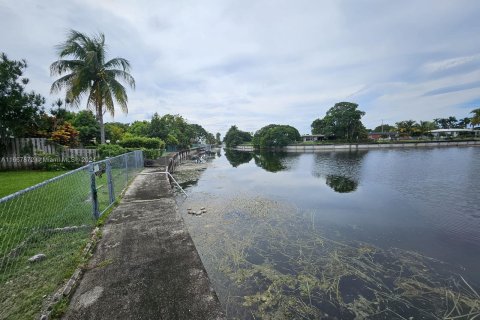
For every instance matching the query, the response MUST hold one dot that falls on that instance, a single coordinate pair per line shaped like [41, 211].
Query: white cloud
[252, 63]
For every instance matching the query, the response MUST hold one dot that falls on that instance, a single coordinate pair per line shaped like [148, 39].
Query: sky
[251, 63]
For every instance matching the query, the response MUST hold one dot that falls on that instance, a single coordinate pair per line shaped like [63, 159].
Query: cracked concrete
[146, 265]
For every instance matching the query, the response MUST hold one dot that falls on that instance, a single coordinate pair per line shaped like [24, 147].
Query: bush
[151, 154]
[110, 150]
[142, 142]
[275, 135]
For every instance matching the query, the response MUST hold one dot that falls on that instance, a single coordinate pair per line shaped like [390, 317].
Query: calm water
[377, 234]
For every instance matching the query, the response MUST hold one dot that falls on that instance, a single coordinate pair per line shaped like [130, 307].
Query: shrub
[110, 150]
[151, 154]
[142, 142]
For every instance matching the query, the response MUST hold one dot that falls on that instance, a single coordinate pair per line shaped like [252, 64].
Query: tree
[463, 123]
[446, 123]
[19, 110]
[275, 135]
[406, 127]
[318, 126]
[425, 127]
[476, 117]
[114, 131]
[385, 128]
[139, 128]
[218, 139]
[174, 125]
[342, 121]
[87, 73]
[235, 137]
[87, 127]
[66, 135]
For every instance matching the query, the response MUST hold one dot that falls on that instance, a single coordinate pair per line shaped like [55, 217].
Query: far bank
[363, 146]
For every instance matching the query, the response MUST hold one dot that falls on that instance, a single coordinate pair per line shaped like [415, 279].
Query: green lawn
[13, 181]
[56, 220]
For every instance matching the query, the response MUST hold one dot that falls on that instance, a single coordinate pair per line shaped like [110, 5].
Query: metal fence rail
[53, 221]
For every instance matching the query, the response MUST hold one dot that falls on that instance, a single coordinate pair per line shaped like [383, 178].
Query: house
[313, 137]
[455, 132]
[382, 135]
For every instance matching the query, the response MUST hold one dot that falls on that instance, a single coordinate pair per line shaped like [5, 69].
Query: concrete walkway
[146, 265]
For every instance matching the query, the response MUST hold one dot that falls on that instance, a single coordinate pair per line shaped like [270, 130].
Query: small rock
[37, 257]
[189, 209]
[202, 208]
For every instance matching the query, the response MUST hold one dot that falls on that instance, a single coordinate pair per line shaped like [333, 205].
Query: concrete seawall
[145, 265]
[366, 146]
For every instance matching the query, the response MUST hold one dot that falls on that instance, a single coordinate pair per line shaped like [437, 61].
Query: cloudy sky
[255, 62]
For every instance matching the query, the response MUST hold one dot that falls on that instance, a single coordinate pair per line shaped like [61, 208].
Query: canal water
[379, 234]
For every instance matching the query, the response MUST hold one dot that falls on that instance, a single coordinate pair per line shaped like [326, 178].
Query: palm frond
[62, 66]
[121, 75]
[120, 94]
[118, 63]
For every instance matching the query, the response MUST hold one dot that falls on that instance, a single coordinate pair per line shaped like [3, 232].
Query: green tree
[446, 123]
[218, 138]
[114, 131]
[406, 127]
[235, 137]
[342, 121]
[318, 126]
[88, 73]
[475, 120]
[19, 110]
[425, 127]
[87, 127]
[139, 128]
[275, 135]
[385, 128]
[463, 123]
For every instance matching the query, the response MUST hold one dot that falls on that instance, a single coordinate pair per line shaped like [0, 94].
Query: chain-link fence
[44, 228]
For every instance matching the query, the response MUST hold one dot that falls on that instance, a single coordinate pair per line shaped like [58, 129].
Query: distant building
[455, 132]
[313, 137]
[382, 135]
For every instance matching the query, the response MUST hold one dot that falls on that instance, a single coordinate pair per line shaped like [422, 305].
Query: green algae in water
[268, 260]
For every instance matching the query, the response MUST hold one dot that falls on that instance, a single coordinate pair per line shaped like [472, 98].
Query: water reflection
[236, 158]
[341, 184]
[341, 170]
[275, 161]
[276, 250]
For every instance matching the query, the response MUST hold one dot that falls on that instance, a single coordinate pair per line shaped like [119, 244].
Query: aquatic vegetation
[270, 260]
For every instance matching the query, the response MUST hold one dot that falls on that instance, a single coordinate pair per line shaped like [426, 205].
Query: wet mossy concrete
[153, 269]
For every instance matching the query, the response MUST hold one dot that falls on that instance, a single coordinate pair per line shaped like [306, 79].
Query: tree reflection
[236, 158]
[341, 170]
[275, 161]
[341, 184]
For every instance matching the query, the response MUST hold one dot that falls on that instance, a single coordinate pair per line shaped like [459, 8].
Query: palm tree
[87, 74]
[476, 117]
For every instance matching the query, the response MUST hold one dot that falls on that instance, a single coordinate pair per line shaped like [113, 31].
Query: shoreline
[362, 146]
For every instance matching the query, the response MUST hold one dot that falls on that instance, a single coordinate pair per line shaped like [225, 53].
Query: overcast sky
[255, 62]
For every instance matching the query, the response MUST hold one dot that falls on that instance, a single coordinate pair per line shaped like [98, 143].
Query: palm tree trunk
[100, 122]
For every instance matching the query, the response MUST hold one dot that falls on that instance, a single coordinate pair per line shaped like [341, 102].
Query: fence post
[93, 189]
[111, 193]
[125, 156]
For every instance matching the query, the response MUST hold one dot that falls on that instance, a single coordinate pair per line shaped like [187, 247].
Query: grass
[268, 260]
[55, 220]
[13, 181]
